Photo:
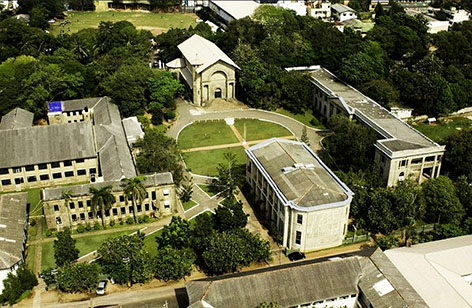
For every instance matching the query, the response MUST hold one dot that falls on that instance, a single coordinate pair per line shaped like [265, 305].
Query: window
[122, 198]
[6, 182]
[89, 203]
[139, 208]
[130, 209]
[29, 168]
[299, 219]
[81, 172]
[67, 163]
[19, 181]
[93, 171]
[55, 165]
[82, 216]
[416, 161]
[403, 163]
[401, 176]
[166, 204]
[69, 174]
[107, 213]
[74, 217]
[58, 221]
[123, 210]
[90, 215]
[146, 207]
[4, 171]
[115, 212]
[439, 158]
[42, 166]
[32, 179]
[166, 192]
[81, 204]
[298, 238]
[79, 161]
[147, 195]
[430, 158]
[44, 177]
[56, 208]
[71, 205]
[17, 170]
[57, 175]
[153, 194]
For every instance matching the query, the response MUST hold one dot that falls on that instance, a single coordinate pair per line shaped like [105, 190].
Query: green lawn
[150, 243]
[30, 257]
[34, 199]
[205, 162]
[443, 129]
[206, 189]
[306, 118]
[85, 245]
[258, 130]
[154, 22]
[207, 133]
[189, 204]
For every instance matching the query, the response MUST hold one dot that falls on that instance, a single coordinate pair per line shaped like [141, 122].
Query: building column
[286, 233]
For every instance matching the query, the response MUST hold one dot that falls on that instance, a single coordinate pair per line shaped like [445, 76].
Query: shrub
[33, 222]
[48, 233]
[112, 223]
[80, 229]
[386, 242]
[140, 220]
[146, 218]
[121, 221]
[88, 227]
[314, 122]
[130, 220]
[97, 226]
[170, 114]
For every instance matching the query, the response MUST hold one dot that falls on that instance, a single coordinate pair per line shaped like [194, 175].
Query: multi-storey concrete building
[401, 151]
[160, 200]
[302, 198]
[207, 71]
[85, 142]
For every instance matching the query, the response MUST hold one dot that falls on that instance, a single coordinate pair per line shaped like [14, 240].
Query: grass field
[307, 118]
[30, 257]
[206, 189]
[189, 204]
[150, 243]
[85, 245]
[258, 130]
[205, 162]
[154, 22]
[443, 129]
[34, 198]
[207, 133]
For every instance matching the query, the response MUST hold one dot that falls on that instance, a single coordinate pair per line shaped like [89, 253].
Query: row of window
[66, 163]
[45, 177]
[80, 205]
[417, 161]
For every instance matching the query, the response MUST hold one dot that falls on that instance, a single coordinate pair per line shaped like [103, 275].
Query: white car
[102, 285]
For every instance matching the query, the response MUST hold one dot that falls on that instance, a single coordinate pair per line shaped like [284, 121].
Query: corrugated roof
[341, 8]
[44, 144]
[298, 173]
[286, 286]
[200, 51]
[12, 228]
[237, 8]
[80, 104]
[17, 118]
[133, 129]
[151, 180]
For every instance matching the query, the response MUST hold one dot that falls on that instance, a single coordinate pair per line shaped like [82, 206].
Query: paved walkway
[189, 114]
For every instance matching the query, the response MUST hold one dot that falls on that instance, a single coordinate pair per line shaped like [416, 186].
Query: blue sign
[55, 107]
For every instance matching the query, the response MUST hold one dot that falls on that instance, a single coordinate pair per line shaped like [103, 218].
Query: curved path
[189, 114]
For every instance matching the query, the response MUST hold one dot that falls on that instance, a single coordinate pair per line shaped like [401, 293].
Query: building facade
[301, 197]
[401, 151]
[208, 72]
[341, 12]
[160, 200]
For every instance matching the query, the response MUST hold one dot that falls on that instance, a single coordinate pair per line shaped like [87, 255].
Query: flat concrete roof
[382, 120]
[299, 174]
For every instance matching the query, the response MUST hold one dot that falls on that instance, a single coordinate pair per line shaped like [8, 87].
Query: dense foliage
[16, 284]
[65, 251]
[78, 277]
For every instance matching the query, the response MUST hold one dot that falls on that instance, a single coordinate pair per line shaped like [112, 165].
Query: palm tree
[67, 197]
[102, 200]
[135, 190]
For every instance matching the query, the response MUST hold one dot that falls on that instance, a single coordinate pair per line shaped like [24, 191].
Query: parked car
[102, 285]
[295, 256]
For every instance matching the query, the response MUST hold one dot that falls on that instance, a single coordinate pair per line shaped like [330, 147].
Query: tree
[464, 192]
[135, 190]
[379, 11]
[458, 157]
[441, 201]
[124, 259]
[39, 17]
[230, 216]
[15, 284]
[381, 216]
[227, 175]
[102, 200]
[65, 251]
[304, 138]
[202, 229]
[159, 153]
[186, 189]
[163, 89]
[82, 5]
[173, 264]
[66, 195]
[175, 235]
[79, 277]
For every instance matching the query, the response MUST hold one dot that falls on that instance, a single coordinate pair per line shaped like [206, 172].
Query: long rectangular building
[402, 152]
[303, 199]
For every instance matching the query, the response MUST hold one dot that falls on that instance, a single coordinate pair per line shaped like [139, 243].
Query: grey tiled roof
[152, 180]
[312, 184]
[17, 118]
[113, 151]
[12, 230]
[286, 286]
[133, 129]
[43, 144]
[80, 104]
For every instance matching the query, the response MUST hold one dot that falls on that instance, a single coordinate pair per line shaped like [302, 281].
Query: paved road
[189, 114]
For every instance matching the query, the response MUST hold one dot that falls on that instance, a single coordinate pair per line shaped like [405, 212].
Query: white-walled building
[320, 10]
[295, 5]
[341, 12]
[301, 197]
[457, 16]
[9, 4]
